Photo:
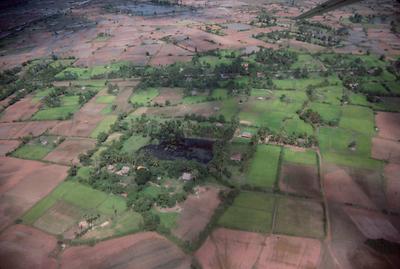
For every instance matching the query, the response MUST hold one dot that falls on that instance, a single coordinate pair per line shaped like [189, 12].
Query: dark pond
[190, 149]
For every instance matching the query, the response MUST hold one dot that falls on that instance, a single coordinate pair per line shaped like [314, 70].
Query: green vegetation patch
[134, 143]
[357, 118]
[308, 157]
[104, 125]
[329, 113]
[299, 218]
[264, 166]
[251, 211]
[32, 152]
[144, 97]
[105, 99]
[112, 205]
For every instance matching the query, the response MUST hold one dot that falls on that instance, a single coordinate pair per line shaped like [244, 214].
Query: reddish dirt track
[389, 125]
[21, 110]
[14, 130]
[8, 146]
[24, 247]
[226, 248]
[146, 250]
[197, 211]
[387, 150]
[392, 175]
[23, 183]
[69, 150]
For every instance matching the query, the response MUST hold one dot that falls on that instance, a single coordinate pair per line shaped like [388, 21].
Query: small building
[236, 157]
[187, 176]
[246, 135]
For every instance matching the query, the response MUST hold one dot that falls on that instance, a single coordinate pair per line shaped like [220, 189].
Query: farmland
[199, 134]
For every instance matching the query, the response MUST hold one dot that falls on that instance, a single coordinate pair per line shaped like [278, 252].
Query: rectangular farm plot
[37, 148]
[263, 169]
[299, 217]
[69, 150]
[144, 96]
[104, 126]
[358, 119]
[251, 211]
[69, 105]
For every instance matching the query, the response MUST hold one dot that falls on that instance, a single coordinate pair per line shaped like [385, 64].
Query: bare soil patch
[226, 248]
[8, 146]
[146, 250]
[341, 188]
[197, 211]
[21, 110]
[14, 130]
[69, 150]
[25, 247]
[23, 183]
[387, 150]
[389, 125]
[392, 175]
[372, 224]
[300, 179]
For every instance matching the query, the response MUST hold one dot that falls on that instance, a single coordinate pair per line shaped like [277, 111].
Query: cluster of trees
[276, 59]
[264, 19]
[356, 18]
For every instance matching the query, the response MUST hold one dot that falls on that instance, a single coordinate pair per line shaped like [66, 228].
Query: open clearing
[388, 125]
[24, 247]
[245, 250]
[7, 146]
[17, 130]
[392, 172]
[145, 250]
[23, 183]
[21, 110]
[197, 211]
[386, 150]
[300, 179]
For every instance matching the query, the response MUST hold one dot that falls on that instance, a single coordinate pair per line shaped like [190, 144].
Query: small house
[187, 176]
[236, 157]
[246, 135]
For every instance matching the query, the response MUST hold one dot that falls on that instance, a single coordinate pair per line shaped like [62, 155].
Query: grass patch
[134, 143]
[32, 152]
[144, 97]
[308, 157]
[105, 99]
[104, 126]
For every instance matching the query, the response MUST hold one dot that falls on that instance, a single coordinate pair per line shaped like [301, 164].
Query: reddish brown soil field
[300, 179]
[16, 130]
[392, 175]
[8, 146]
[23, 183]
[340, 187]
[21, 110]
[389, 125]
[168, 94]
[25, 247]
[197, 211]
[226, 248]
[387, 150]
[146, 250]
[68, 151]
[373, 225]
[122, 100]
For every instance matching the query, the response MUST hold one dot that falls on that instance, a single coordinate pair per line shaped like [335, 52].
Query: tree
[143, 176]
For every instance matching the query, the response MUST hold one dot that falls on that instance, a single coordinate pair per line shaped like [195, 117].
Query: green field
[308, 157]
[329, 113]
[35, 149]
[358, 119]
[144, 97]
[69, 105]
[134, 143]
[299, 218]
[251, 211]
[105, 99]
[104, 126]
[264, 166]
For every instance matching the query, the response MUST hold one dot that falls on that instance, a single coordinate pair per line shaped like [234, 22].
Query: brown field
[122, 100]
[341, 188]
[21, 110]
[389, 125]
[232, 249]
[24, 247]
[8, 146]
[173, 95]
[69, 150]
[197, 211]
[14, 130]
[373, 225]
[392, 172]
[387, 150]
[23, 183]
[145, 250]
[203, 109]
[300, 179]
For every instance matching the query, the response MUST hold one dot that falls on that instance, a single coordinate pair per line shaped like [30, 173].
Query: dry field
[145, 250]
[300, 179]
[387, 150]
[197, 211]
[21, 110]
[15, 130]
[392, 172]
[389, 125]
[68, 151]
[24, 247]
[226, 248]
[23, 183]
[8, 146]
